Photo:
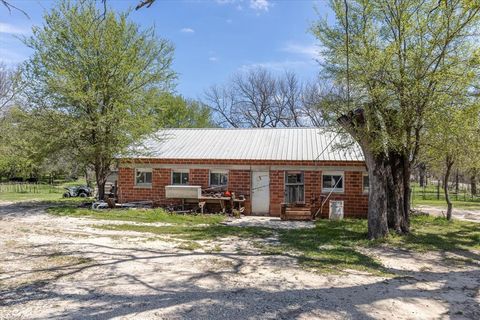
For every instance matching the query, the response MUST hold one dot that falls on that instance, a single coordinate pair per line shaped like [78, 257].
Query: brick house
[268, 166]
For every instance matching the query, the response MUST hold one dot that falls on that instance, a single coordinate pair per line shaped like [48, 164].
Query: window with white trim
[366, 183]
[180, 177]
[218, 178]
[143, 177]
[333, 182]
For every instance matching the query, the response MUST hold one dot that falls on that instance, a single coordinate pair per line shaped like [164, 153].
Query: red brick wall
[199, 177]
[239, 182]
[277, 191]
[355, 201]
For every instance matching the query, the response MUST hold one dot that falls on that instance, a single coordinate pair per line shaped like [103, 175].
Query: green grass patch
[24, 192]
[136, 215]
[194, 233]
[436, 233]
[468, 205]
[332, 246]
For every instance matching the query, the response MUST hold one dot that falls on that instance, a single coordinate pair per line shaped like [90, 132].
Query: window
[218, 178]
[143, 177]
[366, 183]
[332, 181]
[180, 177]
[294, 187]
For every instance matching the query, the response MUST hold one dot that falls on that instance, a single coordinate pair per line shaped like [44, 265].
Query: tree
[394, 61]
[257, 99]
[9, 85]
[90, 83]
[177, 112]
[451, 141]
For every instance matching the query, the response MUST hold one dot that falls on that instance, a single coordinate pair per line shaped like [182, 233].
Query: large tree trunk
[473, 182]
[353, 123]
[398, 193]
[377, 197]
[448, 164]
[407, 194]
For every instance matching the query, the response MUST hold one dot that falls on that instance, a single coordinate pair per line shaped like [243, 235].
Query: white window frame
[365, 174]
[143, 185]
[180, 171]
[225, 172]
[334, 173]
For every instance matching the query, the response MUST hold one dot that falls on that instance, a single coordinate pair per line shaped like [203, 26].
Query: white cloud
[187, 30]
[310, 50]
[256, 5]
[11, 29]
[260, 5]
[229, 21]
[213, 59]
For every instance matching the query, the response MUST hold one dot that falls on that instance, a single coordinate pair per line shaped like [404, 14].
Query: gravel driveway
[62, 268]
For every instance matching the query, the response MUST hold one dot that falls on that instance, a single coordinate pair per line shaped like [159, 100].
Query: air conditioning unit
[336, 210]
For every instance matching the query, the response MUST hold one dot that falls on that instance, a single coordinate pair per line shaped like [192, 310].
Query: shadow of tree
[193, 300]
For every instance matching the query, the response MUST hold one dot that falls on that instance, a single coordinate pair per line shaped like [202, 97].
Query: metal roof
[305, 144]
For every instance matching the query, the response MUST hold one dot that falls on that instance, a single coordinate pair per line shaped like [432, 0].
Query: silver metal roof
[249, 144]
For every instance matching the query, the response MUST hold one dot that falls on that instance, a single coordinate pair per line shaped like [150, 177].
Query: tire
[66, 195]
[82, 195]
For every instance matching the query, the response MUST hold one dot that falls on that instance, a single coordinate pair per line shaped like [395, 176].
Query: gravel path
[62, 268]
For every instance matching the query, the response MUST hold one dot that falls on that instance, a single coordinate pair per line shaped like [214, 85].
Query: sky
[213, 39]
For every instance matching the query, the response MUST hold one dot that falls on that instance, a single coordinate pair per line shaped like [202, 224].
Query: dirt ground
[462, 214]
[59, 267]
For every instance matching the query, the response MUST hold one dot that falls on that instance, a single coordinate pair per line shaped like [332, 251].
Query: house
[270, 167]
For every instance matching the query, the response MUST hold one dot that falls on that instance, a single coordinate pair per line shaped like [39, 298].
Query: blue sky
[213, 38]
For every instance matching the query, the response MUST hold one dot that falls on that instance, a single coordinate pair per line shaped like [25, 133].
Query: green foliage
[406, 58]
[177, 112]
[91, 80]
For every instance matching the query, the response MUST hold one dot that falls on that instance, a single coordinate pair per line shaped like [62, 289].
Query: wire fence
[437, 193]
[28, 187]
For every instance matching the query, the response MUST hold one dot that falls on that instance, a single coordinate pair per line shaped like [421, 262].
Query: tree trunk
[398, 193]
[422, 168]
[473, 182]
[101, 178]
[395, 193]
[407, 193]
[377, 197]
[449, 164]
[457, 182]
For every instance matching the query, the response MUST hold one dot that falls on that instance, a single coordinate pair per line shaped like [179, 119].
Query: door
[260, 192]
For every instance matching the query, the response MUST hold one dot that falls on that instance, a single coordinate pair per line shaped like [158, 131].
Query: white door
[260, 192]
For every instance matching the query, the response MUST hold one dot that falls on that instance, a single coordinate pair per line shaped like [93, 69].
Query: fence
[25, 187]
[437, 193]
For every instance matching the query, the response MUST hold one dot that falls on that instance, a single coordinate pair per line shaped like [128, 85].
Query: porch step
[297, 213]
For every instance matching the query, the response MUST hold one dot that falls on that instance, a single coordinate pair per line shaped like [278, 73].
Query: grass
[467, 205]
[329, 247]
[436, 233]
[36, 192]
[332, 246]
[139, 215]
[195, 233]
